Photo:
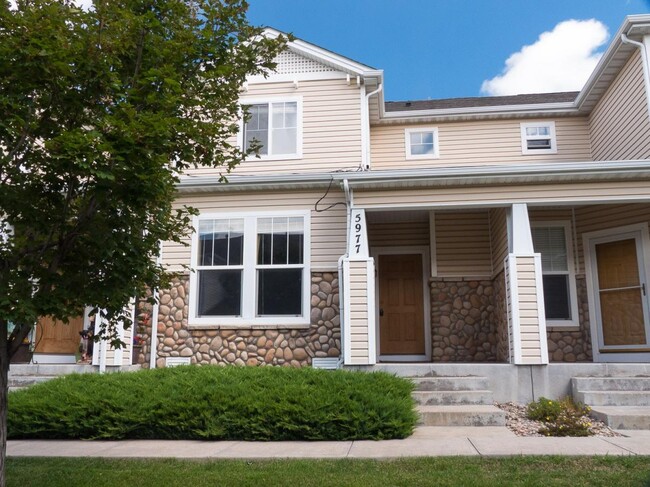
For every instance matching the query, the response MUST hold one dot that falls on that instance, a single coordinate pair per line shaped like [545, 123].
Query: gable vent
[289, 62]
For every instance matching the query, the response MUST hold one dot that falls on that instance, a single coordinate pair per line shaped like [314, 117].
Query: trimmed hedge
[216, 403]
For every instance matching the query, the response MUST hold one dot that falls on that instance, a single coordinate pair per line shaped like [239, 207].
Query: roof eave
[502, 110]
[491, 175]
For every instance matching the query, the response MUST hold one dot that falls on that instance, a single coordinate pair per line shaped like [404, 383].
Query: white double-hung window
[553, 241]
[250, 269]
[274, 127]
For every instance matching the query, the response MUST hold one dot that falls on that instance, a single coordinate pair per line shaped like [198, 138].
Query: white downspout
[643, 46]
[365, 128]
[153, 352]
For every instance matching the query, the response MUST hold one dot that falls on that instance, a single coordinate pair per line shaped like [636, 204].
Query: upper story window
[538, 138]
[250, 269]
[421, 143]
[553, 241]
[275, 126]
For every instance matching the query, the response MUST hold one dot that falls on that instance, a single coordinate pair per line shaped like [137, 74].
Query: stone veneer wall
[501, 317]
[463, 320]
[574, 345]
[254, 346]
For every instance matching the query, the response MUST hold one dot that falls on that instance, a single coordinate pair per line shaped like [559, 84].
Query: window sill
[292, 326]
[562, 326]
[280, 157]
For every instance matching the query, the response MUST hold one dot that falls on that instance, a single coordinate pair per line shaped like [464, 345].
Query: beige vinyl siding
[498, 238]
[620, 128]
[600, 217]
[398, 234]
[501, 195]
[480, 142]
[331, 122]
[358, 324]
[463, 244]
[509, 311]
[528, 310]
[328, 231]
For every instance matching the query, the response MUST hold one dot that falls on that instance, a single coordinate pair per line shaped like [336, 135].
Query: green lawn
[457, 471]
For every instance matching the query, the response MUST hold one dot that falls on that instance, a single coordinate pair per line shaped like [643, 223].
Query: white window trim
[525, 138]
[268, 100]
[249, 277]
[573, 288]
[407, 143]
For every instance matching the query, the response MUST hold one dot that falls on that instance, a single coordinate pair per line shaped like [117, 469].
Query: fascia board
[541, 109]
[490, 175]
[631, 23]
[242, 183]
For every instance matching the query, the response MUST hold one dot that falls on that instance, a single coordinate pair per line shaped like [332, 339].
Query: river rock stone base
[261, 346]
[573, 345]
[462, 320]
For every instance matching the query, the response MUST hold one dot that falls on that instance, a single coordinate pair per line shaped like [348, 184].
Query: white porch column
[524, 293]
[359, 345]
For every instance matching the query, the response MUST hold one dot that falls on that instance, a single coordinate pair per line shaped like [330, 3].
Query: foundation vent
[329, 363]
[176, 361]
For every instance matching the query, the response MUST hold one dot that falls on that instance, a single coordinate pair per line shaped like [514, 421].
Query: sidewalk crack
[349, 449]
[474, 446]
[618, 446]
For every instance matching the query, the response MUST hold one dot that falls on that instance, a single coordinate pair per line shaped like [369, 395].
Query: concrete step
[461, 415]
[623, 417]
[28, 380]
[613, 398]
[610, 383]
[470, 383]
[50, 369]
[434, 398]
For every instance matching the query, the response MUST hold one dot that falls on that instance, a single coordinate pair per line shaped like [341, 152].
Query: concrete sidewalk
[426, 441]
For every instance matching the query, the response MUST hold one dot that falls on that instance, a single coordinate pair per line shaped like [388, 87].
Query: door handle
[643, 288]
[381, 311]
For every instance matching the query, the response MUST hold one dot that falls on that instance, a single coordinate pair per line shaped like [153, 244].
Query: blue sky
[449, 48]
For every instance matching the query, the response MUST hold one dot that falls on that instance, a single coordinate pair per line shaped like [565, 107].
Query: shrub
[216, 403]
[560, 418]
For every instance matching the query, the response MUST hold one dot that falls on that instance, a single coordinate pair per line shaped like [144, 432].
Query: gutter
[491, 175]
[567, 108]
[511, 173]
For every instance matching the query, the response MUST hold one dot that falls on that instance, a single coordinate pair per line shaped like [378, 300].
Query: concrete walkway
[427, 441]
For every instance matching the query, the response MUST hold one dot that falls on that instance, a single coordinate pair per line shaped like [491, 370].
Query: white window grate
[176, 361]
[329, 363]
[291, 63]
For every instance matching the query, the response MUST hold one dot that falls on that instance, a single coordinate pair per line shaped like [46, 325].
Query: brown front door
[621, 293]
[401, 305]
[58, 337]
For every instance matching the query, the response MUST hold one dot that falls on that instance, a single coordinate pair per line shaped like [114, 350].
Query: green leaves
[217, 403]
[95, 106]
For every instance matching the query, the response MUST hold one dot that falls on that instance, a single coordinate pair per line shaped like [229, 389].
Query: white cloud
[560, 60]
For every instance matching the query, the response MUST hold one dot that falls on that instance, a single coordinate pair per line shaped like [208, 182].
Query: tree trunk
[4, 390]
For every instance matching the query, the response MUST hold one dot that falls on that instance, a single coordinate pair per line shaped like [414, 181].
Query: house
[507, 235]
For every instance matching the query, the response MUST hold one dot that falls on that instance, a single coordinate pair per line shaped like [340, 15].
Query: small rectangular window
[538, 138]
[421, 143]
